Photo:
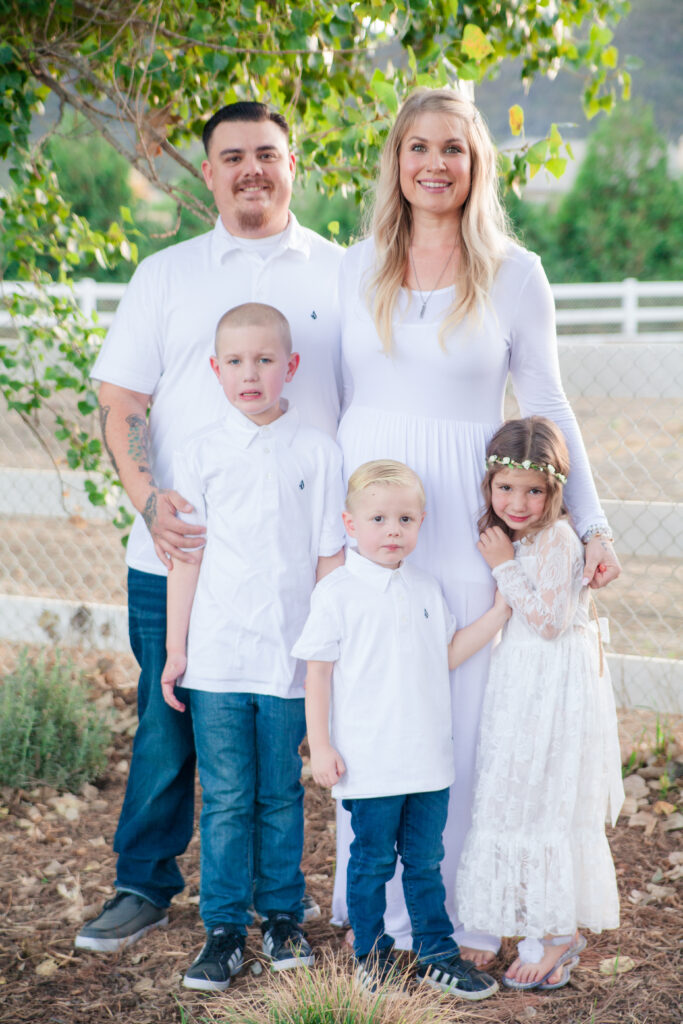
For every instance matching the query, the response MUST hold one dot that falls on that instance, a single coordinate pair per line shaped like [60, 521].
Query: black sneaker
[220, 958]
[378, 970]
[457, 977]
[285, 944]
[124, 920]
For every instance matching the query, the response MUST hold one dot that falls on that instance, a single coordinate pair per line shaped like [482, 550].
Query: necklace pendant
[422, 311]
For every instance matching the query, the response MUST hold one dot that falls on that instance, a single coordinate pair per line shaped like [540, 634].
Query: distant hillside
[651, 32]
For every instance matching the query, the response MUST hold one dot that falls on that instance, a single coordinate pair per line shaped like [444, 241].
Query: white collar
[377, 576]
[293, 237]
[244, 431]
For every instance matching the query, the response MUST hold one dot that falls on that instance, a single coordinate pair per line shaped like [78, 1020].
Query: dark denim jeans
[157, 816]
[410, 826]
[250, 771]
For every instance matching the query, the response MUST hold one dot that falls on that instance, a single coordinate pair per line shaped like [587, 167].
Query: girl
[536, 861]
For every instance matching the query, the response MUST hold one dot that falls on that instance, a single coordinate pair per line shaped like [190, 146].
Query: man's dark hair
[243, 111]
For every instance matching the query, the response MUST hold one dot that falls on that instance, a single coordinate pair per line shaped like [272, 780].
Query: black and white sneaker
[378, 971]
[220, 958]
[124, 920]
[285, 944]
[457, 977]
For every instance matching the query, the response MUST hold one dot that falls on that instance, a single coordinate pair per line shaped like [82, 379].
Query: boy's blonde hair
[383, 473]
[256, 314]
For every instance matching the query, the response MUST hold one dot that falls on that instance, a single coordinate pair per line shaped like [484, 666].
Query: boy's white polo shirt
[163, 334]
[390, 717]
[271, 499]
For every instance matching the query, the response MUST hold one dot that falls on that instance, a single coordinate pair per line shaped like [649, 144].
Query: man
[155, 360]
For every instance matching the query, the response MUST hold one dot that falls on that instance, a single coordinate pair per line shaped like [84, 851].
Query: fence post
[87, 295]
[630, 307]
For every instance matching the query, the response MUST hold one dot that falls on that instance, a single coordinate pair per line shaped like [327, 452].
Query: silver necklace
[417, 280]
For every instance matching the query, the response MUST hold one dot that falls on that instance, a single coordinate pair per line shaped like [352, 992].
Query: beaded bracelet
[595, 530]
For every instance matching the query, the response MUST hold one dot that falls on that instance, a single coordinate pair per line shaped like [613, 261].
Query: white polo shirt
[387, 633]
[163, 334]
[271, 498]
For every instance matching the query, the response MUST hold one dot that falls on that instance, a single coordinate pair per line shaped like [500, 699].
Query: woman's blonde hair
[383, 473]
[485, 230]
[536, 440]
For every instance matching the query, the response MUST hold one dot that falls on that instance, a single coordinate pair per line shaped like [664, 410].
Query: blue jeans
[157, 816]
[410, 826]
[250, 771]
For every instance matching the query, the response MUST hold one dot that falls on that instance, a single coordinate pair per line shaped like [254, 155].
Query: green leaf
[556, 165]
[516, 119]
[475, 44]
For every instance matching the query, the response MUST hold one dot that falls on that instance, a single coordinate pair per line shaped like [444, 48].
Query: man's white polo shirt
[163, 334]
[387, 633]
[271, 498]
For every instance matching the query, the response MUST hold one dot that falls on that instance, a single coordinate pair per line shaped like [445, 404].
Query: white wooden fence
[629, 310]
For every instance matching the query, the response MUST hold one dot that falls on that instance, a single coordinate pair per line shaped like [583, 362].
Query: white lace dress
[536, 859]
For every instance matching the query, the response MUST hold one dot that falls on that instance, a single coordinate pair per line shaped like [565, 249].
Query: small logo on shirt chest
[426, 614]
[301, 485]
[314, 315]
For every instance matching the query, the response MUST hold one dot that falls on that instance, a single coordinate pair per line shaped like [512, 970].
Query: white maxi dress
[435, 407]
[536, 860]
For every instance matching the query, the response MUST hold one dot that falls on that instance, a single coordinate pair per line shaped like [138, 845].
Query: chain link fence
[62, 562]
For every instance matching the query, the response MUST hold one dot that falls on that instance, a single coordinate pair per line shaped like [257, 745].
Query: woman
[438, 306]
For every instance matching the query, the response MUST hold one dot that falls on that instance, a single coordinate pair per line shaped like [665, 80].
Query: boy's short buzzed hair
[383, 473]
[256, 314]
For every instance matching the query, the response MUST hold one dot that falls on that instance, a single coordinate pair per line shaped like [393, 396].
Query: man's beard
[252, 220]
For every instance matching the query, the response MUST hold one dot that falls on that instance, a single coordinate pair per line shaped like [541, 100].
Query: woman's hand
[495, 546]
[602, 565]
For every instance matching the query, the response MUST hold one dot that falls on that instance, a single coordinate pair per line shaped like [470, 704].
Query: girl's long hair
[485, 230]
[538, 440]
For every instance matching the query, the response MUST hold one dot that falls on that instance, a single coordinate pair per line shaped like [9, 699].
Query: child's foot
[457, 977]
[479, 957]
[285, 944]
[549, 970]
[219, 960]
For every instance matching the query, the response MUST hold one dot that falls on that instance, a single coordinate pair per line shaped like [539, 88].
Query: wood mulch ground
[56, 867]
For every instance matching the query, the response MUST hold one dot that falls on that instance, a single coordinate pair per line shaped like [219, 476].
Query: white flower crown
[540, 467]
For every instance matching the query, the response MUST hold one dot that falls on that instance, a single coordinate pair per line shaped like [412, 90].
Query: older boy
[269, 492]
[379, 642]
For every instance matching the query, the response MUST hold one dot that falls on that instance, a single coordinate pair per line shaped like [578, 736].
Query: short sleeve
[320, 639]
[332, 534]
[131, 356]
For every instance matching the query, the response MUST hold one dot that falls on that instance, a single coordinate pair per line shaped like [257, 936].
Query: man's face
[250, 171]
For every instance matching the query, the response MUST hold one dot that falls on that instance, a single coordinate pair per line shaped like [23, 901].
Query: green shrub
[49, 733]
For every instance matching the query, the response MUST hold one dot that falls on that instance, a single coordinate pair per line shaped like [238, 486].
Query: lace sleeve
[549, 604]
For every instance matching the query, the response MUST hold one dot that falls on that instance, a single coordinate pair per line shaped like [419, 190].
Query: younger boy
[379, 642]
[269, 491]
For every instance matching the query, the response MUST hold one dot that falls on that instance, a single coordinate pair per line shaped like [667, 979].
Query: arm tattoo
[138, 442]
[104, 413]
[149, 512]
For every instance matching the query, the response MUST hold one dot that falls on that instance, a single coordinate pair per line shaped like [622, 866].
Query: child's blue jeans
[410, 826]
[250, 770]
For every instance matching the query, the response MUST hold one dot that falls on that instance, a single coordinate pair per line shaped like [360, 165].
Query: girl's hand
[602, 565]
[327, 765]
[173, 669]
[495, 546]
